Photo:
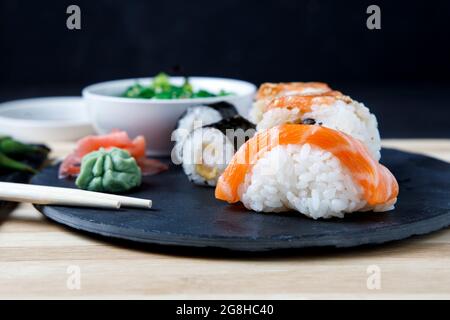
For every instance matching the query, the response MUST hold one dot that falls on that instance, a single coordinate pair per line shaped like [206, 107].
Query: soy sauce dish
[155, 118]
[45, 119]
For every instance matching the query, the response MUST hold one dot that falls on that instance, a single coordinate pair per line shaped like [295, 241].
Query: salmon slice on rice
[317, 171]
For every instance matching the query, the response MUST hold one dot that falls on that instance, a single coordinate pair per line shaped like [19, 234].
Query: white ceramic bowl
[156, 118]
[45, 119]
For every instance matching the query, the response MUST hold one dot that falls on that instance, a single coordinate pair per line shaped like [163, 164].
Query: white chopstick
[56, 195]
[125, 201]
[39, 197]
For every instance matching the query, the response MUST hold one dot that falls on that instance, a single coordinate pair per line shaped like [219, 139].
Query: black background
[401, 71]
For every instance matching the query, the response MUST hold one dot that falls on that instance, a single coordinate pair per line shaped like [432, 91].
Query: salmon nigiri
[272, 90]
[118, 139]
[269, 91]
[315, 170]
[331, 109]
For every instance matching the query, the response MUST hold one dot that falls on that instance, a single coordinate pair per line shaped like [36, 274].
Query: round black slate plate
[186, 215]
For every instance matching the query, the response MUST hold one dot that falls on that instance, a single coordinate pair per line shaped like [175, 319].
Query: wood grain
[35, 255]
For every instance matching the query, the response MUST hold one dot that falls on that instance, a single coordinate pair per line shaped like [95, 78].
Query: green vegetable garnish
[203, 94]
[224, 93]
[109, 171]
[187, 87]
[9, 146]
[8, 163]
[161, 88]
[161, 83]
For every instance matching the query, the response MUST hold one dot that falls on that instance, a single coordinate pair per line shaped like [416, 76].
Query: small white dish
[155, 119]
[40, 120]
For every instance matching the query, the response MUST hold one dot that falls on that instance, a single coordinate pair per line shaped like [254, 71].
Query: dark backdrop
[400, 71]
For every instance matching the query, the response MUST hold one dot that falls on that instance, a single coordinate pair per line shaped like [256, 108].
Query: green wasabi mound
[110, 171]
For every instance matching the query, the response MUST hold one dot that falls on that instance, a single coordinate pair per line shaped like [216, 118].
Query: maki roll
[196, 117]
[317, 171]
[330, 109]
[207, 151]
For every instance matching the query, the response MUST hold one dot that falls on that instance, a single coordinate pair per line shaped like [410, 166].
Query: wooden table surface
[41, 259]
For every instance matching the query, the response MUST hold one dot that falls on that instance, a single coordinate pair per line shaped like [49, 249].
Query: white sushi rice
[352, 118]
[196, 117]
[306, 179]
[206, 150]
[257, 111]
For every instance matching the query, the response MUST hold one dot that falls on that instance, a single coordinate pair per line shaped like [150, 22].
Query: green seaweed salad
[161, 88]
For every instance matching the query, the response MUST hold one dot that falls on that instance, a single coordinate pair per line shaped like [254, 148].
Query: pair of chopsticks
[19, 192]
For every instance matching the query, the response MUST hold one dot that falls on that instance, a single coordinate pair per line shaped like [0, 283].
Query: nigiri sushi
[317, 171]
[207, 151]
[330, 109]
[197, 117]
[269, 91]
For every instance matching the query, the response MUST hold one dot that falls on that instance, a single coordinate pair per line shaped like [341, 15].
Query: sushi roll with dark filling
[196, 117]
[207, 151]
